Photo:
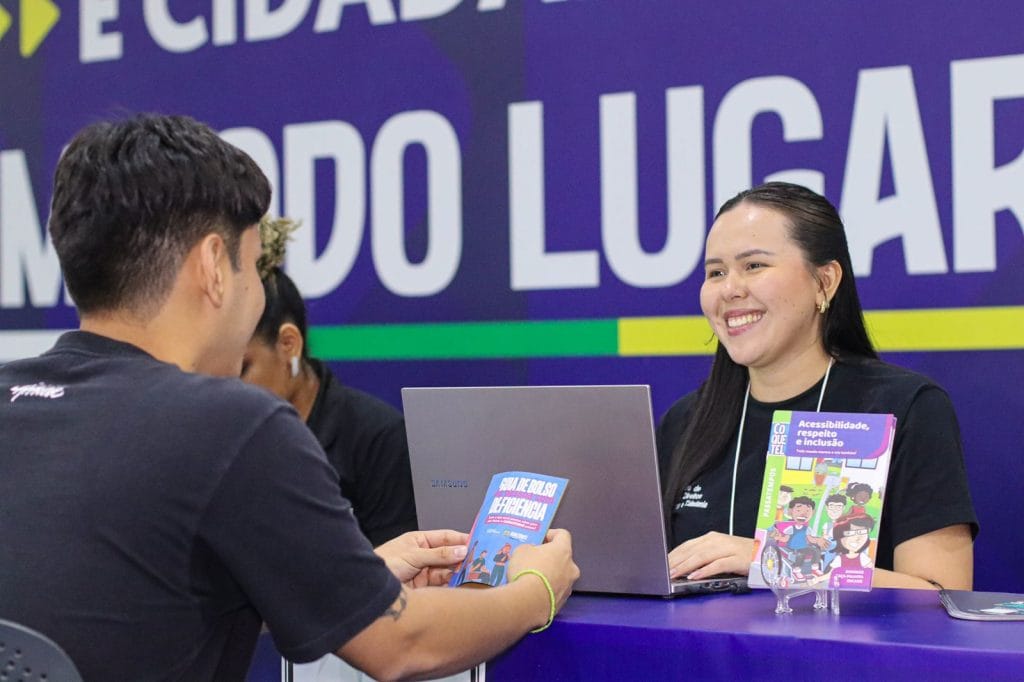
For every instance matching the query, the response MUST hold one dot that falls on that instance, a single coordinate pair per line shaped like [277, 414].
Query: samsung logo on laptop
[449, 483]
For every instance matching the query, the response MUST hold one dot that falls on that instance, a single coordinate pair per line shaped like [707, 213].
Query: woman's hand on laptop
[711, 554]
[424, 557]
[553, 559]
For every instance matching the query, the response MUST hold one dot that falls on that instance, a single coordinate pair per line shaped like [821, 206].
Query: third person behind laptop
[780, 296]
[363, 436]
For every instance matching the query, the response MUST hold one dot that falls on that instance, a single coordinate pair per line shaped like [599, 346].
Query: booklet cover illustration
[517, 509]
[821, 500]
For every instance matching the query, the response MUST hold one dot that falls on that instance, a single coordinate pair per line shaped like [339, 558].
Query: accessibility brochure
[821, 500]
[517, 509]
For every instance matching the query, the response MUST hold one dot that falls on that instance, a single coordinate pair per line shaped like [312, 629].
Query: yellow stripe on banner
[939, 329]
[947, 329]
[684, 335]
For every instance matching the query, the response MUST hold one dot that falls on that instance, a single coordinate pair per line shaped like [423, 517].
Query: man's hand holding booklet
[517, 509]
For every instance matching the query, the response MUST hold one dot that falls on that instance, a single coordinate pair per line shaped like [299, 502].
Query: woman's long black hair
[815, 226]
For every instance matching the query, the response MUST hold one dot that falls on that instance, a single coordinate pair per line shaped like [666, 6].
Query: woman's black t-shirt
[927, 486]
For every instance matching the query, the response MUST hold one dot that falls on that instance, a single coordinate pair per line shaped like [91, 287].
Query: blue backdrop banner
[518, 191]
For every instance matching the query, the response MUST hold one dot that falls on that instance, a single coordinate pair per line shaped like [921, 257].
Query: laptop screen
[601, 438]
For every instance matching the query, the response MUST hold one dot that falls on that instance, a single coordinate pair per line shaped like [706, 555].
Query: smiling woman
[762, 298]
[780, 295]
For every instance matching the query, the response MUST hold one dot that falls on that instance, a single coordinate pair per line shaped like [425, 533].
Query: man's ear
[213, 259]
[289, 340]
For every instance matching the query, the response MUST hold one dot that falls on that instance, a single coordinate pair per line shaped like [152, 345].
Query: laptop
[601, 438]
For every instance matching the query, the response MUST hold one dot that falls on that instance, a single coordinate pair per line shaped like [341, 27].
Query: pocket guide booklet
[821, 500]
[983, 605]
[517, 509]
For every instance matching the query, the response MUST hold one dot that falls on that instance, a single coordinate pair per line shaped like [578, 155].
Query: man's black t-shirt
[364, 439]
[927, 486]
[152, 519]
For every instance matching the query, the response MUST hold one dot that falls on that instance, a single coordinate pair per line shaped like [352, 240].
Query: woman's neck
[784, 380]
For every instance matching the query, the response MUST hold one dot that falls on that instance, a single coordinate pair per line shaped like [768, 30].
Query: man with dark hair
[154, 514]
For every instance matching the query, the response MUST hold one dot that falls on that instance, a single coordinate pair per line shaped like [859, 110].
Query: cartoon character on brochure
[851, 563]
[500, 562]
[859, 493]
[478, 569]
[802, 550]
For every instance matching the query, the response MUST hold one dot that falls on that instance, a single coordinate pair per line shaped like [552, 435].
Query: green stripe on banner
[963, 329]
[466, 340]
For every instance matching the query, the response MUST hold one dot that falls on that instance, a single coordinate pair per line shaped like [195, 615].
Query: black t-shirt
[152, 519]
[364, 438]
[927, 485]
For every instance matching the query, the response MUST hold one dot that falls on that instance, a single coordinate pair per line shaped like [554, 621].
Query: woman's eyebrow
[740, 256]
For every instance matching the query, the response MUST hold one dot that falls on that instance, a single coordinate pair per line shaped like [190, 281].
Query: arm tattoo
[396, 609]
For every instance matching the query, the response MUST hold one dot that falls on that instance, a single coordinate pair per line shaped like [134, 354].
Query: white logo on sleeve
[39, 390]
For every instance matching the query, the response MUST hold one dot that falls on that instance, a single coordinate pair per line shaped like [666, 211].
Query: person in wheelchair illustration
[792, 554]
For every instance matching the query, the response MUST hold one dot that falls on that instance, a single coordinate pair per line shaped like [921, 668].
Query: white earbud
[295, 366]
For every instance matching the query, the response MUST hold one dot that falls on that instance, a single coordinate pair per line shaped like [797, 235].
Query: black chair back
[29, 655]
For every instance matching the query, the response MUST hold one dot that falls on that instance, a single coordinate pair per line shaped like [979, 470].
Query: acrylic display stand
[821, 598]
[782, 586]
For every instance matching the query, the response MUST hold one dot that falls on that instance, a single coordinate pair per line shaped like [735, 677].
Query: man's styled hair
[132, 197]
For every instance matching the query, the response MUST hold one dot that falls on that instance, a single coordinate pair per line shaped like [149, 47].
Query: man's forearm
[432, 632]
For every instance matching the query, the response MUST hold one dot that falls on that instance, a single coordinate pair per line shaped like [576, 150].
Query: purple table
[883, 634]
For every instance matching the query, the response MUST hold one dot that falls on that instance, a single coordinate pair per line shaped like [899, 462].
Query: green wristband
[551, 595]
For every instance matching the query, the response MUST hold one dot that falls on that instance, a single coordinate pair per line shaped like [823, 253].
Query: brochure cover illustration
[821, 500]
[517, 509]
[983, 605]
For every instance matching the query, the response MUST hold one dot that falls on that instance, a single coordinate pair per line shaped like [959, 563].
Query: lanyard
[739, 440]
